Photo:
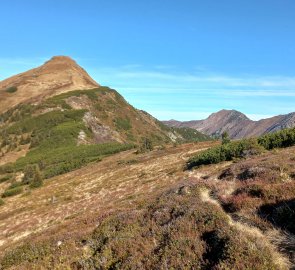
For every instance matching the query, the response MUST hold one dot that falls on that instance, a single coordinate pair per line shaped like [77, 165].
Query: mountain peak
[231, 115]
[58, 75]
[61, 59]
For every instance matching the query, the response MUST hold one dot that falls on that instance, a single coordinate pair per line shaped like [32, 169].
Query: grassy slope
[151, 217]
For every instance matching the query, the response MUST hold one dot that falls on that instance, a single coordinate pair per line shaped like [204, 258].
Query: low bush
[25, 253]
[11, 89]
[63, 160]
[5, 178]
[280, 139]
[145, 146]
[32, 176]
[1, 202]
[238, 149]
[12, 192]
[226, 152]
[123, 124]
[15, 184]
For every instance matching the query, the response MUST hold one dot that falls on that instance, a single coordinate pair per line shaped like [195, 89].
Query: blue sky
[181, 59]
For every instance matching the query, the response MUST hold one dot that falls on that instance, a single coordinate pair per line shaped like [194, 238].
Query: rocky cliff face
[58, 75]
[236, 124]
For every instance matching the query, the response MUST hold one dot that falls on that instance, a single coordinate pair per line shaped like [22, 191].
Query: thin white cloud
[166, 78]
[183, 115]
[157, 89]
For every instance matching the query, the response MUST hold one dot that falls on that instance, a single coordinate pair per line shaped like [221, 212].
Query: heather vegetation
[243, 148]
[177, 230]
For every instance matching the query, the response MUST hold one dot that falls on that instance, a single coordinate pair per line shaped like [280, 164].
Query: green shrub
[71, 158]
[37, 180]
[12, 192]
[225, 152]
[5, 178]
[15, 184]
[230, 150]
[280, 139]
[146, 145]
[225, 138]
[122, 123]
[28, 174]
[11, 89]
[33, 176]
[1, 202]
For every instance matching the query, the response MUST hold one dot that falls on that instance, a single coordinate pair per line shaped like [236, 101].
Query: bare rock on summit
[58, 75]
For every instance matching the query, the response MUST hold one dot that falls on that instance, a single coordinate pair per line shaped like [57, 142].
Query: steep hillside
[58, 75]
[69, 130]
[236, 124]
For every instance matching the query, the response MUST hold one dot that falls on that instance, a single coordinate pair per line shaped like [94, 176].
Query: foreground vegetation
[134, 227]
[176, 231]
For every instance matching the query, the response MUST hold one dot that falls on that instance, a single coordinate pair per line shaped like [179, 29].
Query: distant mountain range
[237, 124]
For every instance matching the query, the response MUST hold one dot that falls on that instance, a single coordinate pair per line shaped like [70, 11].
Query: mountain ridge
[237, 124]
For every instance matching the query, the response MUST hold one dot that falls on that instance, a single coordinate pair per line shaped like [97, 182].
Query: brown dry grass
[12, 156]
[99, 188]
